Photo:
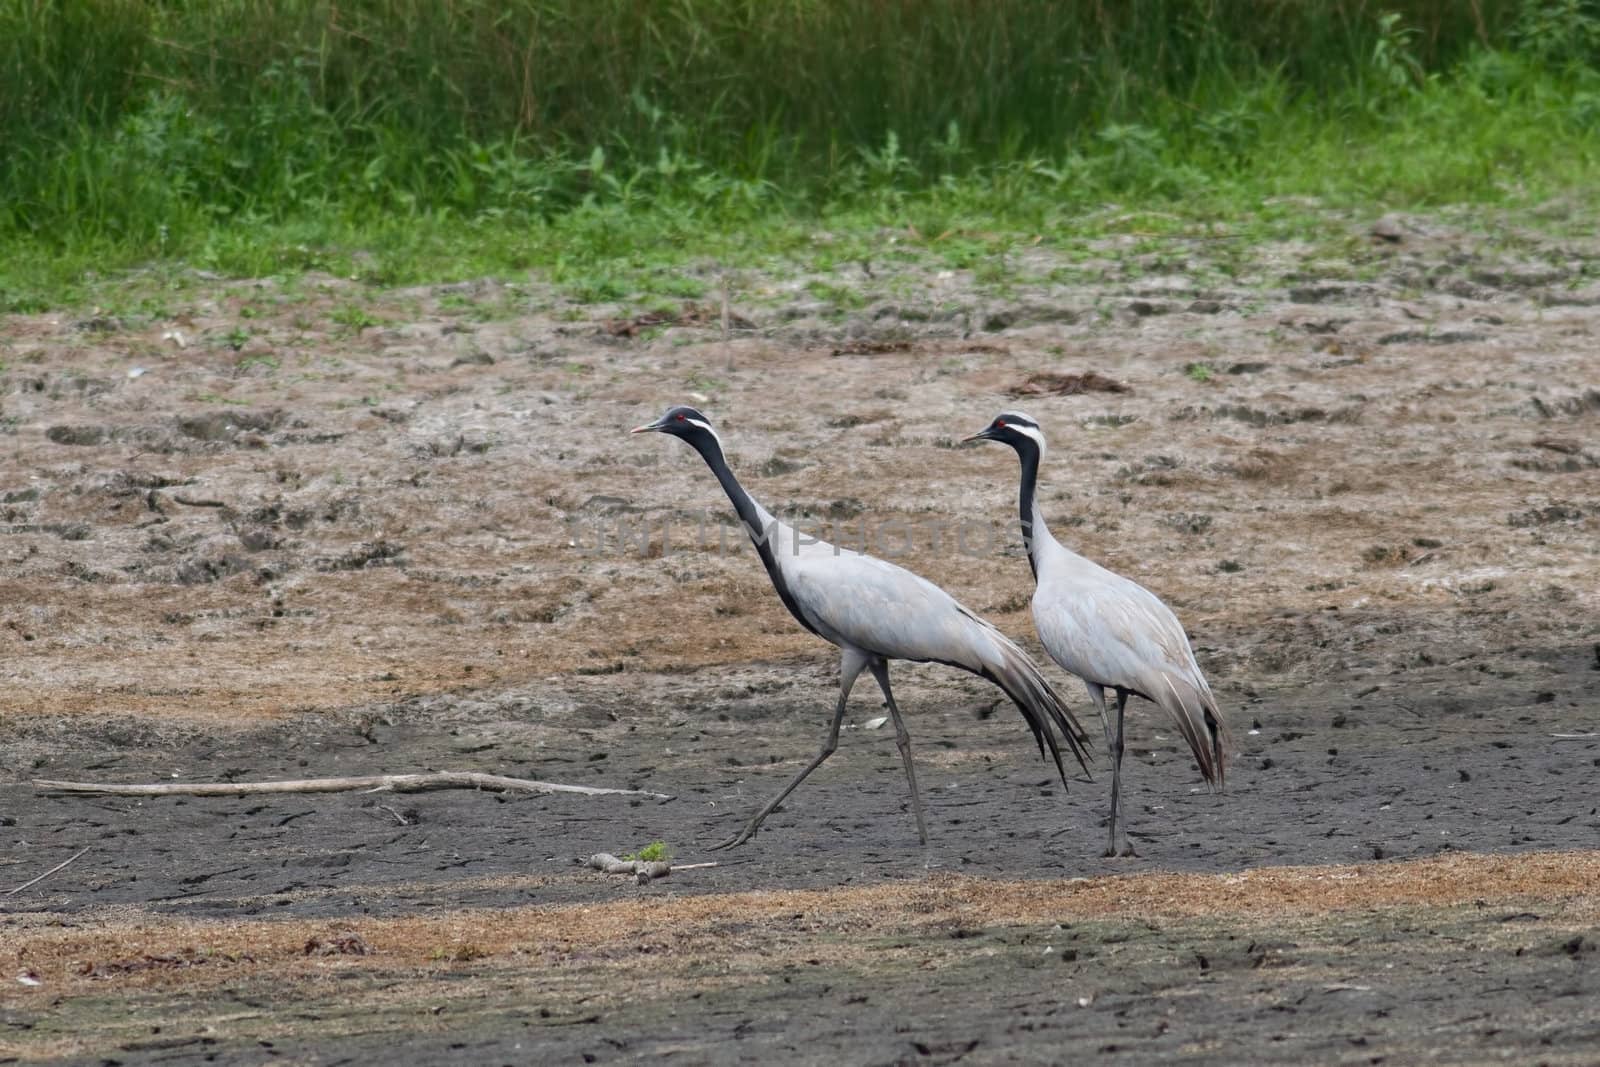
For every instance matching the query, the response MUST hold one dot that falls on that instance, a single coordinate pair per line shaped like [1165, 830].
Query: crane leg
[850, 666]
[1116, 784]
[902, 739]
[1098, 695]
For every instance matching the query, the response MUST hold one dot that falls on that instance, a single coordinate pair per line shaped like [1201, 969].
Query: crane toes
[735, 841]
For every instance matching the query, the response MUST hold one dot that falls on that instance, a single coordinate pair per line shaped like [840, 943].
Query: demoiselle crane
[1111, 632]
[875, 612]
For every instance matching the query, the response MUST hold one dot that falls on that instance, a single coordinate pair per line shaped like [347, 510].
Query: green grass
[654, 852]
[607, 144]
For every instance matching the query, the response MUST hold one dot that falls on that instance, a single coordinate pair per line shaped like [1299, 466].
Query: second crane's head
[684, 422]
[1012, 428]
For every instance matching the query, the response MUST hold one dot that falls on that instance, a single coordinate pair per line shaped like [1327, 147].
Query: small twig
[399, 783]
[399, 818]
[1575, 737]
[58, 867]
[724, 309]
[1148, 235]
[727, 351]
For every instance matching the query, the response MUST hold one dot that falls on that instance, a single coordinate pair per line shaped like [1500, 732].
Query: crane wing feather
[859, 601]
[1111, 631]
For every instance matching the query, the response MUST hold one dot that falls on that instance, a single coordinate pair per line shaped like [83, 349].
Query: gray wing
[885, 610]
[878, 607]
[1114, 632]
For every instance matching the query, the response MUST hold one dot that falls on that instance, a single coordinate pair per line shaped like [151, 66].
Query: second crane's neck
[1035, 535]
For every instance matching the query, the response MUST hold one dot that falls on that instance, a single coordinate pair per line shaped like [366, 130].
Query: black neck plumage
[745, 507]
[765, 538]
[1028, 453]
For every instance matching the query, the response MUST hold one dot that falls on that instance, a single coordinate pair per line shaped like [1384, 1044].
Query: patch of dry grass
[105, 976]
[65, 951]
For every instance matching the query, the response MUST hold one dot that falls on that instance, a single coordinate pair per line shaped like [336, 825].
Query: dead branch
[398, 783]
[605, 861]
[58, 867]
[642, 870]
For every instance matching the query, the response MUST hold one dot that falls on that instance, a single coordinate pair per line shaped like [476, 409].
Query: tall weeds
[149, 127]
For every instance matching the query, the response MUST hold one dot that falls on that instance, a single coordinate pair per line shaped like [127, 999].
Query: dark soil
[1410, 771]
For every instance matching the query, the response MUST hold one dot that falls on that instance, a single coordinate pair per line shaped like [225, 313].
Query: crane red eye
[682, 419]
[1000, 423]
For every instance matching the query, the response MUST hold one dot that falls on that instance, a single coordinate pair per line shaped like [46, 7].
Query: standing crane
[1111, 632]
[875, 612]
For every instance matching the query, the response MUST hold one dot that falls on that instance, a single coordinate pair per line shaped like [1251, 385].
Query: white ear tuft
[1031, 432]
[706, 426]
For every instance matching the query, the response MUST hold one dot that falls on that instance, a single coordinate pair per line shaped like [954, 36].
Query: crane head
[1011, 428]
[680, 421]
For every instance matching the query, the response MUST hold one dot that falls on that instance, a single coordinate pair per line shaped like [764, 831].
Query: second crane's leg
[1098, 695]
[902, 738]
[1116, 784]
[850, 665]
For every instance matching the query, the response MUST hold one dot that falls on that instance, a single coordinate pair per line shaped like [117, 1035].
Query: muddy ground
[298, 528]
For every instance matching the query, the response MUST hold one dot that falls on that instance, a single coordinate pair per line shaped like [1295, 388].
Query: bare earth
[273, 530]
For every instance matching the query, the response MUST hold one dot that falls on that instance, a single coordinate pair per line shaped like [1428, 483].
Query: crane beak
[647, 428]
[981, 435]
